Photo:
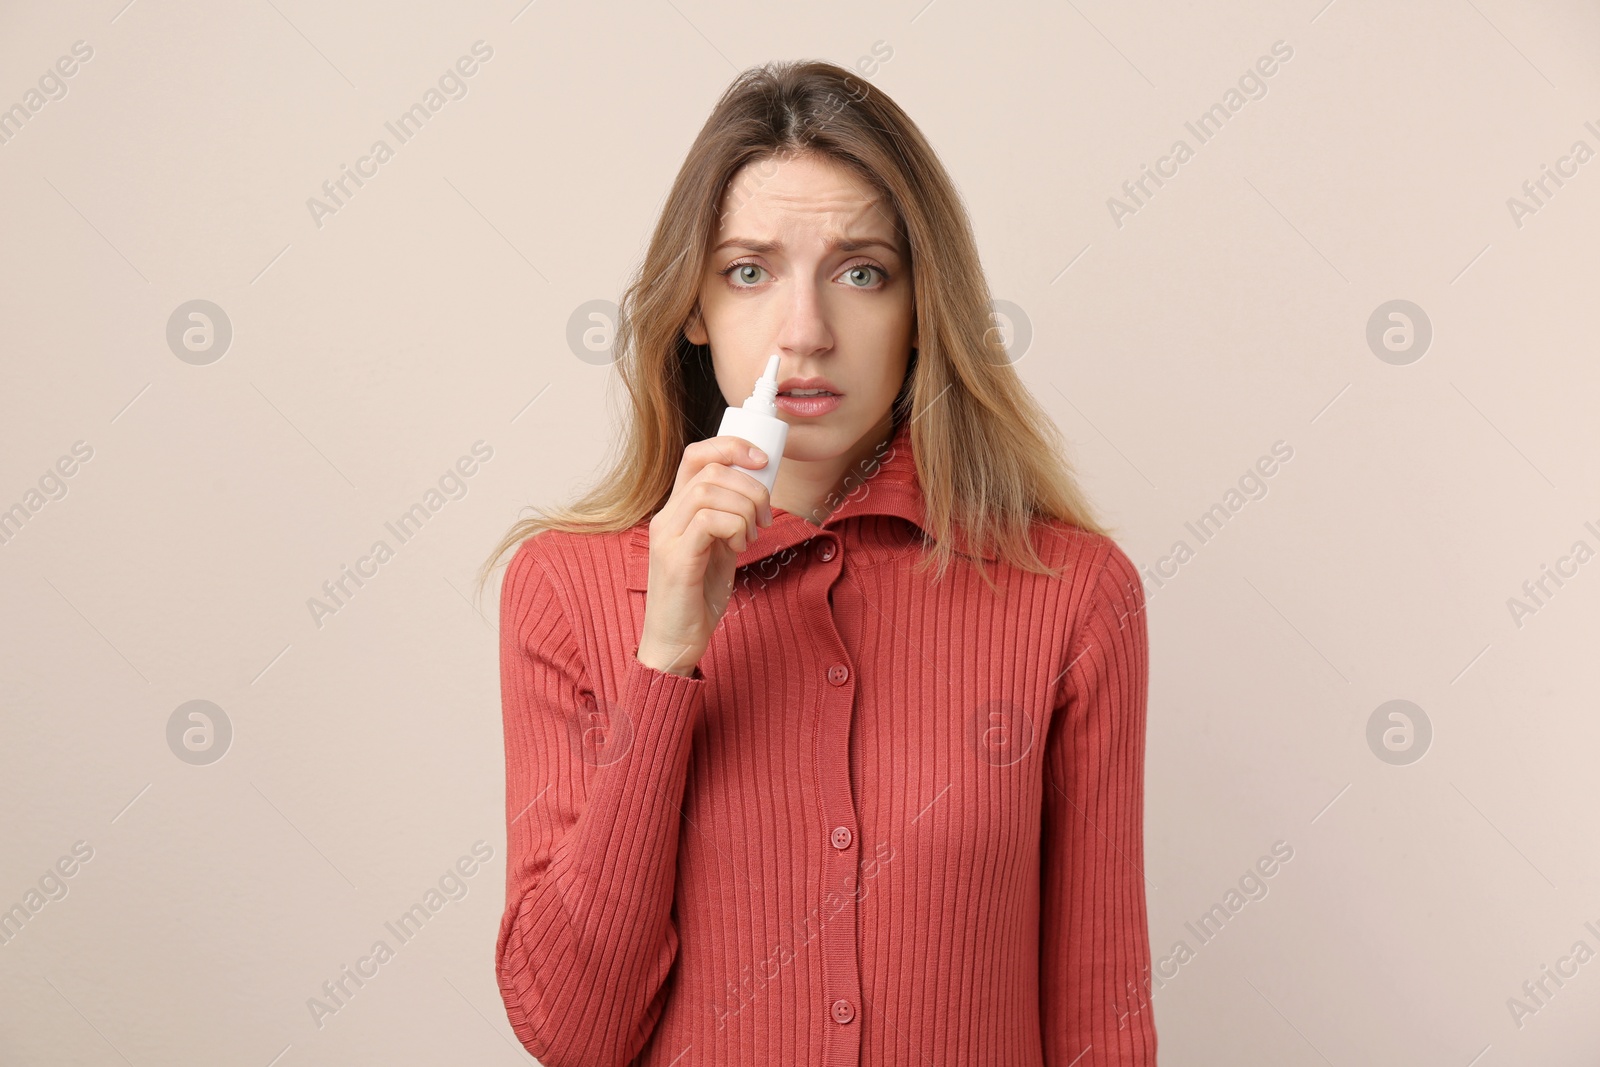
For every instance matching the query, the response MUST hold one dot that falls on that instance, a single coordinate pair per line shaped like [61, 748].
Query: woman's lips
[807, 406]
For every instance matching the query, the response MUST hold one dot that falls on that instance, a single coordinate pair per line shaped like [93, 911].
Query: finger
[709, 491]
[726, 449]
[711, 462]
[743, 483]
[710, 525]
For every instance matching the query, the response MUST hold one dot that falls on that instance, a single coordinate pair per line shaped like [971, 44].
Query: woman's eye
[746, 274]
[863, 269]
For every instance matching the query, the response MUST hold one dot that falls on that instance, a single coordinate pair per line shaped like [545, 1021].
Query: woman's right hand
[713, 514]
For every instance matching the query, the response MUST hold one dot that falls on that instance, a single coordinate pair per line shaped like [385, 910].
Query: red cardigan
[885, 822]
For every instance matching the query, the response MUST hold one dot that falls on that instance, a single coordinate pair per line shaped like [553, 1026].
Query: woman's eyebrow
[844, 244]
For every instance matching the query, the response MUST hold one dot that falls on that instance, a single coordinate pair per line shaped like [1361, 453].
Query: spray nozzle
[766, 390]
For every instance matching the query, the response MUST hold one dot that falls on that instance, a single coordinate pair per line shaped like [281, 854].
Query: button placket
[839, 947]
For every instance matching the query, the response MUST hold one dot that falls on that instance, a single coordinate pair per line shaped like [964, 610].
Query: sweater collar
[885, 483]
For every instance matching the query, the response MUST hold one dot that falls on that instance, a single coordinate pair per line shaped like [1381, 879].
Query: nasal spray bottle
[757, 422]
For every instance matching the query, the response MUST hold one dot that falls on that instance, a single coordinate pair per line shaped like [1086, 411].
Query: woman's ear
[694, 330]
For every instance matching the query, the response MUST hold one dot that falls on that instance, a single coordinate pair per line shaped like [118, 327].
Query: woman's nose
[805, 325]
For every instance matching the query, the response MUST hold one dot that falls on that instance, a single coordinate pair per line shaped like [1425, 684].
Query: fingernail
[756, 453]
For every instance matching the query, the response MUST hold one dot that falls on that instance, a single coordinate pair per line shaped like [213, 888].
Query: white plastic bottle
[757, 422]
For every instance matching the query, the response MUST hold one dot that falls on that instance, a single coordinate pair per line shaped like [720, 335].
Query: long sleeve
[1094, 939]
[594, 792]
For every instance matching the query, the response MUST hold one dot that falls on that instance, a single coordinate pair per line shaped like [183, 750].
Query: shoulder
[568, 566]
[565, 548]
[1082, 556]
[1098, 574]
[1101, 617]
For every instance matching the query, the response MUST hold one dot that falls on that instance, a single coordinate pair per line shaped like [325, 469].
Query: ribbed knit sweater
[886, 821]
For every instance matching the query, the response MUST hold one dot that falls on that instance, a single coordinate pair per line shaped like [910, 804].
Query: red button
[825, 551]
[842, 1011]
[841, 837]
[838, 674]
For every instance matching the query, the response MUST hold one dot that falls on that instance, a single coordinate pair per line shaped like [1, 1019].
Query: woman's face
[779, 282]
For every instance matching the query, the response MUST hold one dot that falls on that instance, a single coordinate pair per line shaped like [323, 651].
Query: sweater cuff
[663, 699]
[633, 656]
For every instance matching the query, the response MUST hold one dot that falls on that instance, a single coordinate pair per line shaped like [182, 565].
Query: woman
[850, 772]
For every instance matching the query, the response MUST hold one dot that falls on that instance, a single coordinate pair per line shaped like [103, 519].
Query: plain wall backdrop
[1356, 281]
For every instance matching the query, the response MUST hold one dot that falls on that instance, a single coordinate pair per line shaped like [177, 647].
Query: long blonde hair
[988, 457]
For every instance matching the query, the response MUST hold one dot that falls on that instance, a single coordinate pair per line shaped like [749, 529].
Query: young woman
[850, 773]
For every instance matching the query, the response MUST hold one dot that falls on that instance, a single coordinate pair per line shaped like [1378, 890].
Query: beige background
[432, 311]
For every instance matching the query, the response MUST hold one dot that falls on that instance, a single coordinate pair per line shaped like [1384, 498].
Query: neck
[814, 489]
